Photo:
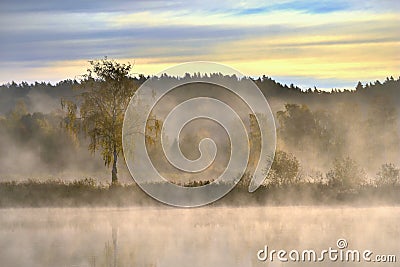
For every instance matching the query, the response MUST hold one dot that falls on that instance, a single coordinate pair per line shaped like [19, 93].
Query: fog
[363, 125]
[33, 145]
[190, 237]
[23, 161]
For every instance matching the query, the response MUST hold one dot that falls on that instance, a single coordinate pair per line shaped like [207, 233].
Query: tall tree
[359, 86]
[98, 110]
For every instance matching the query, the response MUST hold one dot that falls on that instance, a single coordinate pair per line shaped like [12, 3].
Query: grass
[57, 193]
[86, 192]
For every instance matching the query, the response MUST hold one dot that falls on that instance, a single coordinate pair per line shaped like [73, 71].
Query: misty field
[189, 237]
[68, 199]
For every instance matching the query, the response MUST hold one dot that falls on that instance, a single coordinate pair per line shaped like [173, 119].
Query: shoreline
[80, 194]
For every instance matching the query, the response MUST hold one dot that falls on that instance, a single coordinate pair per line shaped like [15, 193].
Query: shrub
[284, 169]
[346, 174]
[388, 175]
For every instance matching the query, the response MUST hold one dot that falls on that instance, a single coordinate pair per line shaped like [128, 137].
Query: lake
[207, 236]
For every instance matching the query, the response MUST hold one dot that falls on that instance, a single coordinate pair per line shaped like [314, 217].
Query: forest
[333, 146]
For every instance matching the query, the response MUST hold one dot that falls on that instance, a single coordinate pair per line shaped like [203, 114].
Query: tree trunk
[114, 177]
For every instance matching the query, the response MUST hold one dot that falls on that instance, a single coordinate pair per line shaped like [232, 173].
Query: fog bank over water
[189, 237]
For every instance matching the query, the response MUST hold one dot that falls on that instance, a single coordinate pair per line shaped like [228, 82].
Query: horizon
[254, 78]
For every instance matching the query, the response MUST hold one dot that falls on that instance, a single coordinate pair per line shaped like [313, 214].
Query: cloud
[88, 6]
[319, 39]
[317, 7]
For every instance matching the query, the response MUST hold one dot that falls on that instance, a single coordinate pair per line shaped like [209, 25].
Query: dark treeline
[37, 95]
[40, 96]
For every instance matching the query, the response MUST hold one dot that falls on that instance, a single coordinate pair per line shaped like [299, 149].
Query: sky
[327, 44]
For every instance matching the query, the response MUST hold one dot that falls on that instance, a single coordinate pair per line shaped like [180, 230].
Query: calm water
[189, 237]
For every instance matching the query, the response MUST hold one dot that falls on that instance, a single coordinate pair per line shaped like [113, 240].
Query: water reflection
[188, 237]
